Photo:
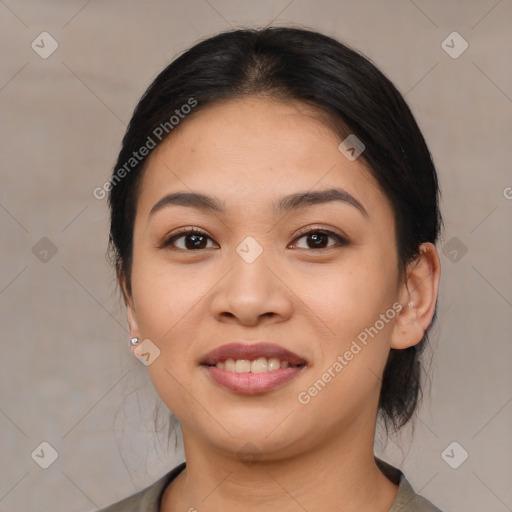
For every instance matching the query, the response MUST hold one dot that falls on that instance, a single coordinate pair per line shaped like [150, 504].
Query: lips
[274, 367]
[251, 352]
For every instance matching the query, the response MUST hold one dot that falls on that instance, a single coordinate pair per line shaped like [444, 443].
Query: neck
[340, 474]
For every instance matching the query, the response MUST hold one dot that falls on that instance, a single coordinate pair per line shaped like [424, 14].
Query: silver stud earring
[134, 342]
[410, 304]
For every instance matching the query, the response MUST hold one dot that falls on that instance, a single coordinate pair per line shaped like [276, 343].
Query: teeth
[242, 366]
[273, 364]
[259, 365]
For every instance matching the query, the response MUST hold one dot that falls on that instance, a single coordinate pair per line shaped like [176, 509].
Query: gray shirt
[148, 500]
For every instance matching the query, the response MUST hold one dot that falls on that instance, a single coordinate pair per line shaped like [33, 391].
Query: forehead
[255, 150]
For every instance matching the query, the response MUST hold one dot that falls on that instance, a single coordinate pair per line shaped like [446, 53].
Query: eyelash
[167, 242]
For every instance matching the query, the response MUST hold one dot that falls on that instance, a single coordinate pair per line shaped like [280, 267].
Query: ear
[418, 297]
[130, 306]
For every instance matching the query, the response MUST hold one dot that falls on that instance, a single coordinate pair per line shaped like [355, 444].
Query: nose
[253, 292]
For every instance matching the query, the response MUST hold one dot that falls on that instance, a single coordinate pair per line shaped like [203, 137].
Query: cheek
[162, 292]
[165, 304]
[350, 297]
[345, 379]
[164, 300]
[356, 303]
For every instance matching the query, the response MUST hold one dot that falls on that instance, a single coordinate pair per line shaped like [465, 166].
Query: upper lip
[251, 352]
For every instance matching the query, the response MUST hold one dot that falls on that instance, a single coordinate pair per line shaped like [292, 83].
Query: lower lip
[253, 383]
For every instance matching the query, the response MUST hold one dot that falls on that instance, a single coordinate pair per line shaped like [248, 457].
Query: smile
[252, 369]
[260, 365]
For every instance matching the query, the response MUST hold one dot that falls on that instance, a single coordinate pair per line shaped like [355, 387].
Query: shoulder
[148, 499]
[406, 500]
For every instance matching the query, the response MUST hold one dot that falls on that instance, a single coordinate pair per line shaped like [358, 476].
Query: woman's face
[253, 275]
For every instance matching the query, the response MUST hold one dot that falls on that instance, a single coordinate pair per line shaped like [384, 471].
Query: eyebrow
[297, 201]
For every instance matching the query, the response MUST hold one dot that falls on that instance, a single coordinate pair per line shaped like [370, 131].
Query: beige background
[66, 376]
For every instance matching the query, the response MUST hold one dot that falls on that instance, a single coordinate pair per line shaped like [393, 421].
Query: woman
[274, 214]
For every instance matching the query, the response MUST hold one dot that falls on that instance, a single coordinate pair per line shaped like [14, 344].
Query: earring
[134, 342]
[410, 304]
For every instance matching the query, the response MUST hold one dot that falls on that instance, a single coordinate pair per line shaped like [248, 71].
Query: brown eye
[317, 239]
[193, 240]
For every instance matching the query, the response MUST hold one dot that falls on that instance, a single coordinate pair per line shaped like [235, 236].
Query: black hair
[295, 64]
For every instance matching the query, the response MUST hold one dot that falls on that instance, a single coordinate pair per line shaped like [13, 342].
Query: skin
[249, 153]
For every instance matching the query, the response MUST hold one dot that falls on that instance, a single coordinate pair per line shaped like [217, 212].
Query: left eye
[318, 239]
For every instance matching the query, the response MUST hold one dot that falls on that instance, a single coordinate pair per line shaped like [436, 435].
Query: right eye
[193, 240]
